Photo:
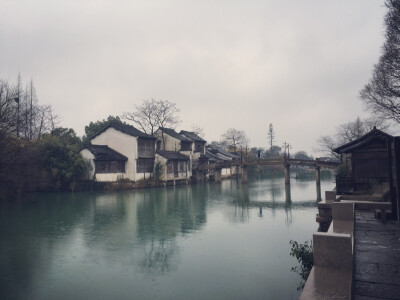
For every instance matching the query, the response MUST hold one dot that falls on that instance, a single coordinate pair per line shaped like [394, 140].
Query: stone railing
[331, 275]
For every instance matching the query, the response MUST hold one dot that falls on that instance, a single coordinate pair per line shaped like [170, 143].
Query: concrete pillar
[217, 175]
[244, 174]
[287, 174]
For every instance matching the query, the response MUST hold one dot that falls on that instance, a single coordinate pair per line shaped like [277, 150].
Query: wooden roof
[365, 139]
[173, 133]
[104, 153]
[191, 135]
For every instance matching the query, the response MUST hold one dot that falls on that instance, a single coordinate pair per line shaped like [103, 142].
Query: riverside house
[120, 151]
[174, 154]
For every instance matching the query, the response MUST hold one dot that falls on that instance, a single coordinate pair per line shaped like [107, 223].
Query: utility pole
[286, 147]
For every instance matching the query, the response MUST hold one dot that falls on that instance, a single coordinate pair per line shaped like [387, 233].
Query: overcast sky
[244, 64]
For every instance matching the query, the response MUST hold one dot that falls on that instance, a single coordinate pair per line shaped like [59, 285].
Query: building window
[145, 148]
[170, 168]
[144, 165]
[111, 166]
[186, 146]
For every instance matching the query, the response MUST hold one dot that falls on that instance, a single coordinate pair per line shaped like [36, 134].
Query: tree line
[38, 155]
[35, 154]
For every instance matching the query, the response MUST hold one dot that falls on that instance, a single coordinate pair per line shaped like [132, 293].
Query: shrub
[304, 255]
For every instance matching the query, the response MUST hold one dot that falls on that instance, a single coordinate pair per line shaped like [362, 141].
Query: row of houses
[120, 151]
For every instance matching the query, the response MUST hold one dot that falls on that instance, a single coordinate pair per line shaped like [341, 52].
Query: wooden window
[182, 165]
[113, 166]
[146, 148]
[144, 165]
[198, 147]
[170, 167]
[186, 146]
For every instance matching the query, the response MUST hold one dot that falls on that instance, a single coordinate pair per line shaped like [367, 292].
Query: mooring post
[244, 174]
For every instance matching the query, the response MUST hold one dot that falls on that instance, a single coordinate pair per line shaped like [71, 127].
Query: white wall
[124, 144]
[171, 143]
[226, 172]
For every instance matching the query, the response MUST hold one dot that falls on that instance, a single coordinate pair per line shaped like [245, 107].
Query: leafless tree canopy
[348, 132]
[20, 113]
[382, 94]
[234, 139]
[152, 113]
[198, 130]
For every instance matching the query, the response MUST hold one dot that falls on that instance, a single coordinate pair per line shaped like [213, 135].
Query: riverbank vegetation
[35, 154]
[304, 255]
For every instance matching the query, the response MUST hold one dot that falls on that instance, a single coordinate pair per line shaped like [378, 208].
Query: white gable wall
[124, 144]
[171, 143]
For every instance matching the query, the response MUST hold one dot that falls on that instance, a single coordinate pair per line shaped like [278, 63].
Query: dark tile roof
[192, 136]
[104, 153]
[172, 155]
[216, 151]
[373, 134]
[213, 157]
[127, 129]
[174, 134]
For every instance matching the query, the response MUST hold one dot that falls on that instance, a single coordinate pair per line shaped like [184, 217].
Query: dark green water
[205, 241]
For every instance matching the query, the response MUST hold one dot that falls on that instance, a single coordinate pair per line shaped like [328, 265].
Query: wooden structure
[371, 165]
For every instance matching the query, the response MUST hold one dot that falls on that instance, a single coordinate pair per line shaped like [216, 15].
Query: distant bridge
[284, 162]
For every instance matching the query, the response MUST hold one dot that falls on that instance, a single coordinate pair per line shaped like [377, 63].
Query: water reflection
[52, 238]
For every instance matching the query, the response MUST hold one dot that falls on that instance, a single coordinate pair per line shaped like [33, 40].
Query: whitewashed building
[173, 165]
[216, 154]
[120, 151]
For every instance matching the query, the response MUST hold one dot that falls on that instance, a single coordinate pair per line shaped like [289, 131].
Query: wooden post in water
[287, 174]
[287, 194]
[318, 175]
[244, 174]
[318, 181]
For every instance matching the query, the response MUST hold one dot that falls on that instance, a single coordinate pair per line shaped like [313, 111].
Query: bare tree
[348, 132]
[144, 116]
[167, 114]
[198, 130]
[8, 111]
[234, 139]
[382, 94]
[20, 113]
[152, 113]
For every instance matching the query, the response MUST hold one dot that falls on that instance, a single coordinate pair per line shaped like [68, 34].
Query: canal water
[203, 241]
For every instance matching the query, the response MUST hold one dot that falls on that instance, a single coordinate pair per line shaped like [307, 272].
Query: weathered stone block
[333, 250]
[343, 211]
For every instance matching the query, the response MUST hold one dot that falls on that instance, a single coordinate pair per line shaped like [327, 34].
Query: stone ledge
[327, 283]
